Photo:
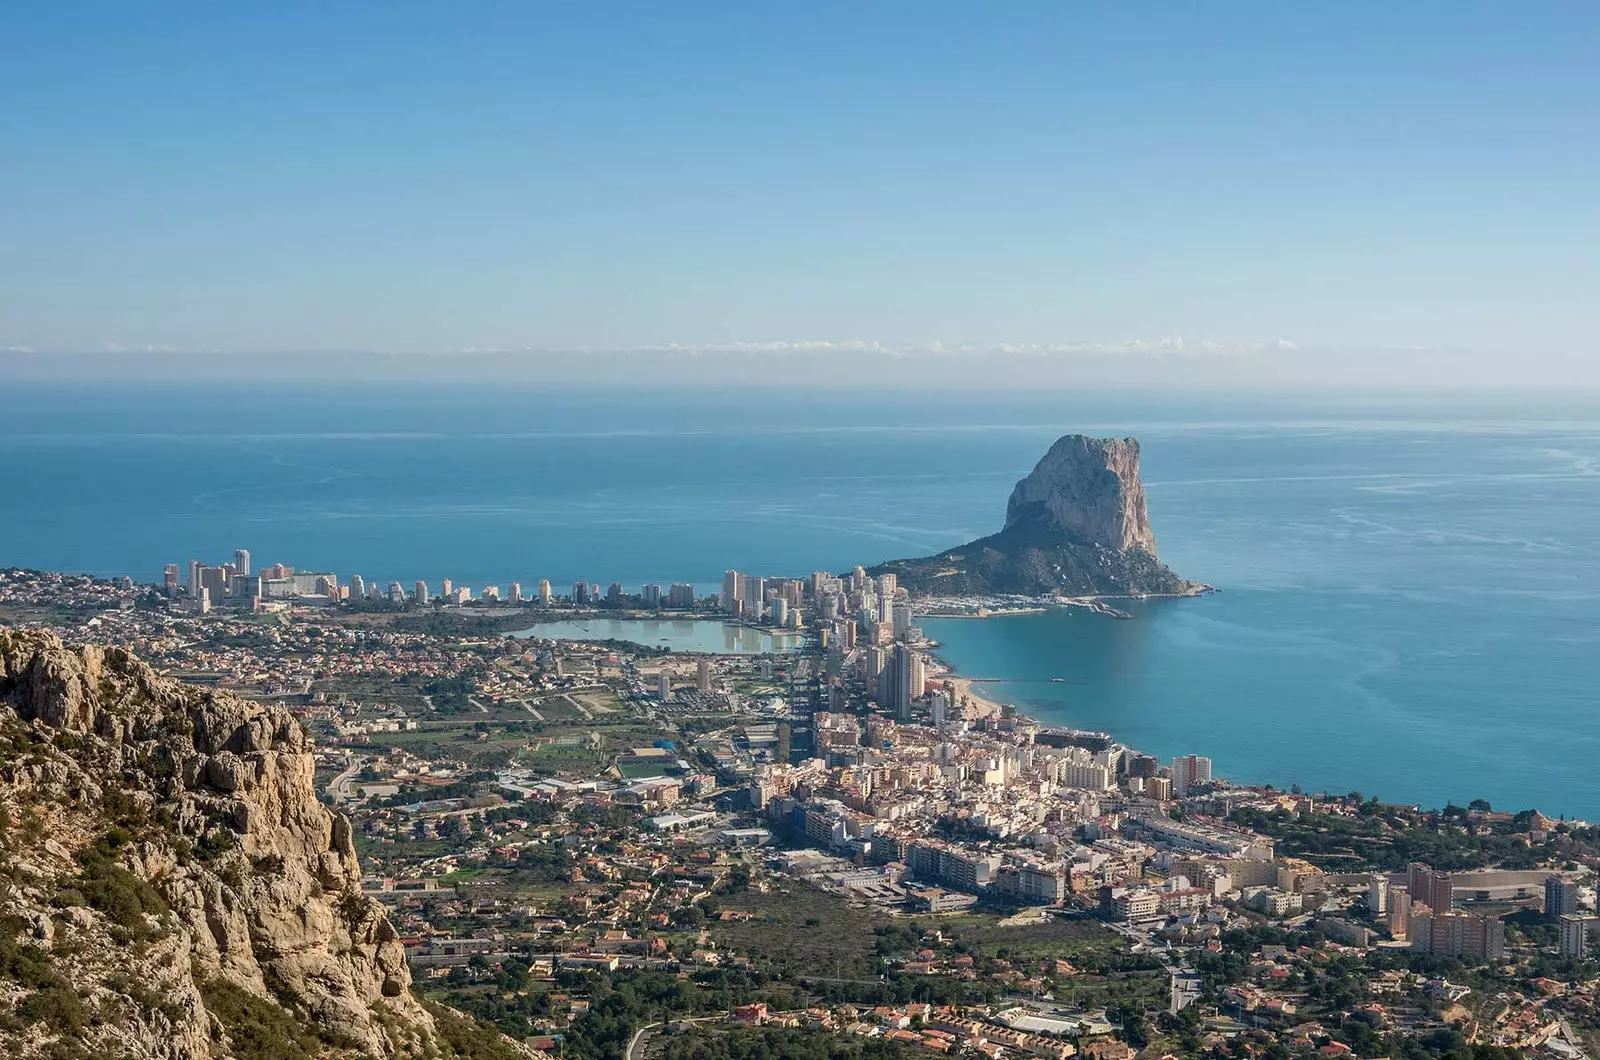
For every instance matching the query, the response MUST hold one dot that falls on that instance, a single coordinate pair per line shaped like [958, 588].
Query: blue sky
[1344, 189]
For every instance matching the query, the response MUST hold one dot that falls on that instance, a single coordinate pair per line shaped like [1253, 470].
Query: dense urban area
[837, 847]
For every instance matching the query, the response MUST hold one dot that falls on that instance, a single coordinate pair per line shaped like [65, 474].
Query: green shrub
[257, 1029]
[56, 1007]
[214, 844]
[20, 962]
[111, 889]
[463, 1038]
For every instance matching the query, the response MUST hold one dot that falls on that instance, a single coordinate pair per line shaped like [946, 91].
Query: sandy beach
[977, 705]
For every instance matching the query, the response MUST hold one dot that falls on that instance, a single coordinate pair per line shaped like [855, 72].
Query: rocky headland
[1077, 525]
[170, 887]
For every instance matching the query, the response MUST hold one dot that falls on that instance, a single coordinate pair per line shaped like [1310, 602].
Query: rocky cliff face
[169, 884]
[1087, 490]
[1076, 525]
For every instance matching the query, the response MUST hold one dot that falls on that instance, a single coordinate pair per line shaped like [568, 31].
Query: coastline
[1002, 606]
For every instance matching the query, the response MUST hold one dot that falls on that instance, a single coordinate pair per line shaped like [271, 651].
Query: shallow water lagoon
[688, 635]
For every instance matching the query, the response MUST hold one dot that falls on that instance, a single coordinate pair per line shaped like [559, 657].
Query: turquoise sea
[1410, 599]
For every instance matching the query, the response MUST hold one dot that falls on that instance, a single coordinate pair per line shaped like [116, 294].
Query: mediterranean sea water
[1410, 600]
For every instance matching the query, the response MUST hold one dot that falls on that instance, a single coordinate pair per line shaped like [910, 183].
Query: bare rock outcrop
[173, 878]
[1088, 491]
[1077, 525]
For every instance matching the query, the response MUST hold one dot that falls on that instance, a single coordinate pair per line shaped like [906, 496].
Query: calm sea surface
[1411, 585]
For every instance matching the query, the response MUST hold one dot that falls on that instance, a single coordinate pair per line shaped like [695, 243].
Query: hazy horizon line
[1162, 364]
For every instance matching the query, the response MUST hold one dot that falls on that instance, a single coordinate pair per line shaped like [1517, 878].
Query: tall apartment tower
[241, 561]
[1432, 889]
[516, 592]
[902, 619]
[702, 675]
[1560, 897]
[1575, 934]
[903, 668]
[544, 592]
[171, 579]
[732, 581]
[421, 592]
[1399, 914]
[1378, 894]
[1190, 772]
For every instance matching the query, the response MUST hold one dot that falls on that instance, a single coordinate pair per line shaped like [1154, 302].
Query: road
[634, 1042]
[339, 786]
[637, 1041]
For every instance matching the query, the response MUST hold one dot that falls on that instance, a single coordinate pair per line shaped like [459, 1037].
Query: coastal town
[835, 845]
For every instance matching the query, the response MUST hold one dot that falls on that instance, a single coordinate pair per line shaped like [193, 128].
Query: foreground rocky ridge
[171, 887]
[1077, 525]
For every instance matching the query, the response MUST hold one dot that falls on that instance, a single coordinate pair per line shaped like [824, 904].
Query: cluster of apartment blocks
[878, 786]
[1421, 912]
[205, 586]
[744, 596]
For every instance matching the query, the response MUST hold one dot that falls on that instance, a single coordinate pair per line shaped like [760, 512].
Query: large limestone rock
[255, 896]
[1077, 525]
[1088, 491]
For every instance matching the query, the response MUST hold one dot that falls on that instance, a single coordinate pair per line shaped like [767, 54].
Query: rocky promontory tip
[1077, 525]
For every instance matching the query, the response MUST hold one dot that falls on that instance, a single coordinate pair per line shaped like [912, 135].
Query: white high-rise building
[732, 582]
[702, 675]
[902, 619]
[1190, 772]
[544, 592]
[516, 592]
[1576, 931]
[421, 592]
[241, 561]
[1378, 894]
[664, 685]
[358, 587]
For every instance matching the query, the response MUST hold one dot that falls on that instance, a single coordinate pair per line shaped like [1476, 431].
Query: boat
[1058, 680]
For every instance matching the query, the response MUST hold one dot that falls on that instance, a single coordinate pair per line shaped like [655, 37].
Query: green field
[800, 931]
[981, 933]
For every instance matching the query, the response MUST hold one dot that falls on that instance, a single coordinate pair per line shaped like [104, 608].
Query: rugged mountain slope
[1077, 524]
[170, 887]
